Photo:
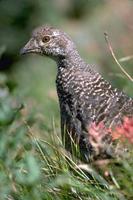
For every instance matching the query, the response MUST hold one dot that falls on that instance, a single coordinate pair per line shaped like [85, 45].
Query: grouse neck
[71, 60]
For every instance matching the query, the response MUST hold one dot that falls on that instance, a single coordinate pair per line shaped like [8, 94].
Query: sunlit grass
[35, 165]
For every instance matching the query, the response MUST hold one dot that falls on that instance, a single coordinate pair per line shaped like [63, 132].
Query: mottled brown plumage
[84, 96]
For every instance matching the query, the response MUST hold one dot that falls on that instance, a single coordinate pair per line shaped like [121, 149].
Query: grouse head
[49, 41]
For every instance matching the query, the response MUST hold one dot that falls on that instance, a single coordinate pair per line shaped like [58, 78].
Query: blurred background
[32, 78]
[32, 160]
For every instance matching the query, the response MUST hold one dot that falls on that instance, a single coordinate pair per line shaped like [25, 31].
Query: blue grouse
[84, 95]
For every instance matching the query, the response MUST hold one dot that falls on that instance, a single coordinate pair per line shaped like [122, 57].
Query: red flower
[99, 136]
[102, 138]
[125, 130]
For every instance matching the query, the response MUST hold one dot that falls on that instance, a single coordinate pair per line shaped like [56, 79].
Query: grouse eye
[46, 39]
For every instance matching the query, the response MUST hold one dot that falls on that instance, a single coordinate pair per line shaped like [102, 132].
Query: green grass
[33, 161]
[34, 164]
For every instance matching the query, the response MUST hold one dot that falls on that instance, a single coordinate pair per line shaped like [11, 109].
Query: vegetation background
[30, 166]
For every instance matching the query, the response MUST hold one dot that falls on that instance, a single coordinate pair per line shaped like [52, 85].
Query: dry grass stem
[113, 55]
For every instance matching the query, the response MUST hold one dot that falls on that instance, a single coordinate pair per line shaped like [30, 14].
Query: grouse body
[84, 95]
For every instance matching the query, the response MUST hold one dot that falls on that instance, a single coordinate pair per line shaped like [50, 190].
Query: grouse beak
[30, 47]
